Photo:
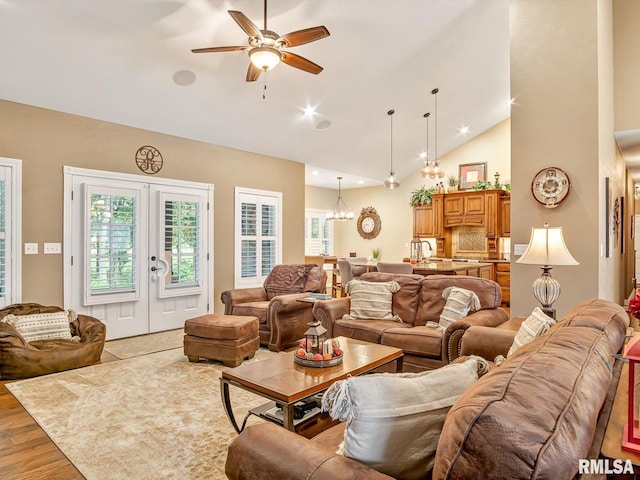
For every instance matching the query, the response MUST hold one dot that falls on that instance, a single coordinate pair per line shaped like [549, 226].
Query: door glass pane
[111, 246]
[182, 242]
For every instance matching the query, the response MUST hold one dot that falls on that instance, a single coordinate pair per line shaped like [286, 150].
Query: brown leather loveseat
[534, 416]
[418, 301]
[22, 359]
[283, 319]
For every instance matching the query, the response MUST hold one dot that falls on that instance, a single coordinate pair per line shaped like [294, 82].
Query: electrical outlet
[30, 248]
[52, 248]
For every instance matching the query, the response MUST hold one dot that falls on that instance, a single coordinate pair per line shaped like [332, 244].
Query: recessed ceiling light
[511, 101]
[309, 111]
[184, 77]
[463, 130]
[423, 154]
[315, 172]
[323, 125]
[360, 182]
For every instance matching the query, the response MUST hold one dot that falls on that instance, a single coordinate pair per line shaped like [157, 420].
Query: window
[182, 242]
[258, 235]
[112, 236]
[318, 233]
[10, 221]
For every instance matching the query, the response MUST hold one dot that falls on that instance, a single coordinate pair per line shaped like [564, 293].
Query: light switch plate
[519, 248]
[30, 248]
[52, 248]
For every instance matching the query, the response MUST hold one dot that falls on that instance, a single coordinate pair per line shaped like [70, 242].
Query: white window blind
[259, 227]
[3, 237]
[318, 233]
[10, 227]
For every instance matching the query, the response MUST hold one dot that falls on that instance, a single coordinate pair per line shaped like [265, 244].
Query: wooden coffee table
[281, 380]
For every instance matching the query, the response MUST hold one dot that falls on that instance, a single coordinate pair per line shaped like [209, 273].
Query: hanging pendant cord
[265, 14]
[427, 115]
[435, 95]
[390, 113]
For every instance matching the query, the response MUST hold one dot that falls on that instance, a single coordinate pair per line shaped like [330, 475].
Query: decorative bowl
[337, 360]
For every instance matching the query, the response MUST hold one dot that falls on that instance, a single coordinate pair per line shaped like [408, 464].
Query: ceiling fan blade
[245, 24]
[300, 62]
[218, 49]
[300, 37]
[253, 73]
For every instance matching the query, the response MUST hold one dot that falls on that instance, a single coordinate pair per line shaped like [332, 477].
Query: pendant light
[340, 211]
[437, 171]
[427, 171]
[391, 182]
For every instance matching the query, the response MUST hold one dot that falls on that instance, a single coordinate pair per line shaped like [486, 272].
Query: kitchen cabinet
[427, 219]
[466, 208]
[482, 271]
[503, 278]
[505, 216]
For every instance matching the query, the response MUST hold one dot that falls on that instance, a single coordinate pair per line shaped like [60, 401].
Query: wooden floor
[26, 452]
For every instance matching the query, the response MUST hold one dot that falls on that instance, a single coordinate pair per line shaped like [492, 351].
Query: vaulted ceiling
[130, 62]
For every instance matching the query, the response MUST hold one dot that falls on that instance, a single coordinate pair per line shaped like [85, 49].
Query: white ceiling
[115, 61]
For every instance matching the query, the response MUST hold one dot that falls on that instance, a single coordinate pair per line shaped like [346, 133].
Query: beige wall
[561, 76]
[46, 141]
[626, 37]
[393, 207]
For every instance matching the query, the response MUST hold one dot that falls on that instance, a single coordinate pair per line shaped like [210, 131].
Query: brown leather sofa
[283, 319]
[21, 359]
[418, 301]
[535, 416]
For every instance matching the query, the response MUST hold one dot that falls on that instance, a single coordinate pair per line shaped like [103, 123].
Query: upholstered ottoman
[228, 338]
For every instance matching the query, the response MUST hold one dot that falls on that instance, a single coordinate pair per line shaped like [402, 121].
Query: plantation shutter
[259, 231]
[111, 272]
[318, 234]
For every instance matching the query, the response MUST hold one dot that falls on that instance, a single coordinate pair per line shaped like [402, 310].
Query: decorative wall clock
[369, 223]
[550, 186]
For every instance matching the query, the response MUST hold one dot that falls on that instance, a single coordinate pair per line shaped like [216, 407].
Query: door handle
[153, 269]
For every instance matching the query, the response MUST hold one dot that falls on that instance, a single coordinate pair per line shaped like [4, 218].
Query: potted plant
[376, 254]
[421, 196]
[482, 185]
[453, 183]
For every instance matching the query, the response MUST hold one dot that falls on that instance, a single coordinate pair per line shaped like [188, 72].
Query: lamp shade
[547, 247]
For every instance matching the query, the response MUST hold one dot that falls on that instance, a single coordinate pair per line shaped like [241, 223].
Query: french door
[137, 251]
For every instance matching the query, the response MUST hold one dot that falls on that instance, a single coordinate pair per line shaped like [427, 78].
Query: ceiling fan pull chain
[264, 88]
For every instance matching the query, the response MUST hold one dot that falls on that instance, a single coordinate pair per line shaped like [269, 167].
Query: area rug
[145, 344]
[155, 416]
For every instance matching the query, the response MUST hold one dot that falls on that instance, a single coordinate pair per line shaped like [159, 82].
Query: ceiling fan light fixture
[265, 58]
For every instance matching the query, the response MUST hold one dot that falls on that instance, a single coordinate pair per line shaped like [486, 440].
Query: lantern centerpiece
[631, 431]
[316, 350]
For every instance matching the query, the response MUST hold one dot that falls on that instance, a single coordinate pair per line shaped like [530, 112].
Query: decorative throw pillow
[459, 302]
[41, 326]
[371, 300]
[394, 420]
[535, 325]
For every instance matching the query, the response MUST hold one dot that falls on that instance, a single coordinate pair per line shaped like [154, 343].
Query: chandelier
[340, 211]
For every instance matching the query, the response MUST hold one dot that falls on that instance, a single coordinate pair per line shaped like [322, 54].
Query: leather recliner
[283, 319]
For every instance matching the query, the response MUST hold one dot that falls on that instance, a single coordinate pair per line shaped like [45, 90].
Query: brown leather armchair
[283, 319]
[21, 359]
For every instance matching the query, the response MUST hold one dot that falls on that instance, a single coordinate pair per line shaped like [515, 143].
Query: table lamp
[547, 248]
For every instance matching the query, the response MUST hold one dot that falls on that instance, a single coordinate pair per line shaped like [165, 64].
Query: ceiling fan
[266, 48]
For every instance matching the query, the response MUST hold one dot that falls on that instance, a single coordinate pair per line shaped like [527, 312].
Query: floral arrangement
[634, 305]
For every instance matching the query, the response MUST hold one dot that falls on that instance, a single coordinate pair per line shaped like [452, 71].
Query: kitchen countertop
[448, 266]
[469, 260]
